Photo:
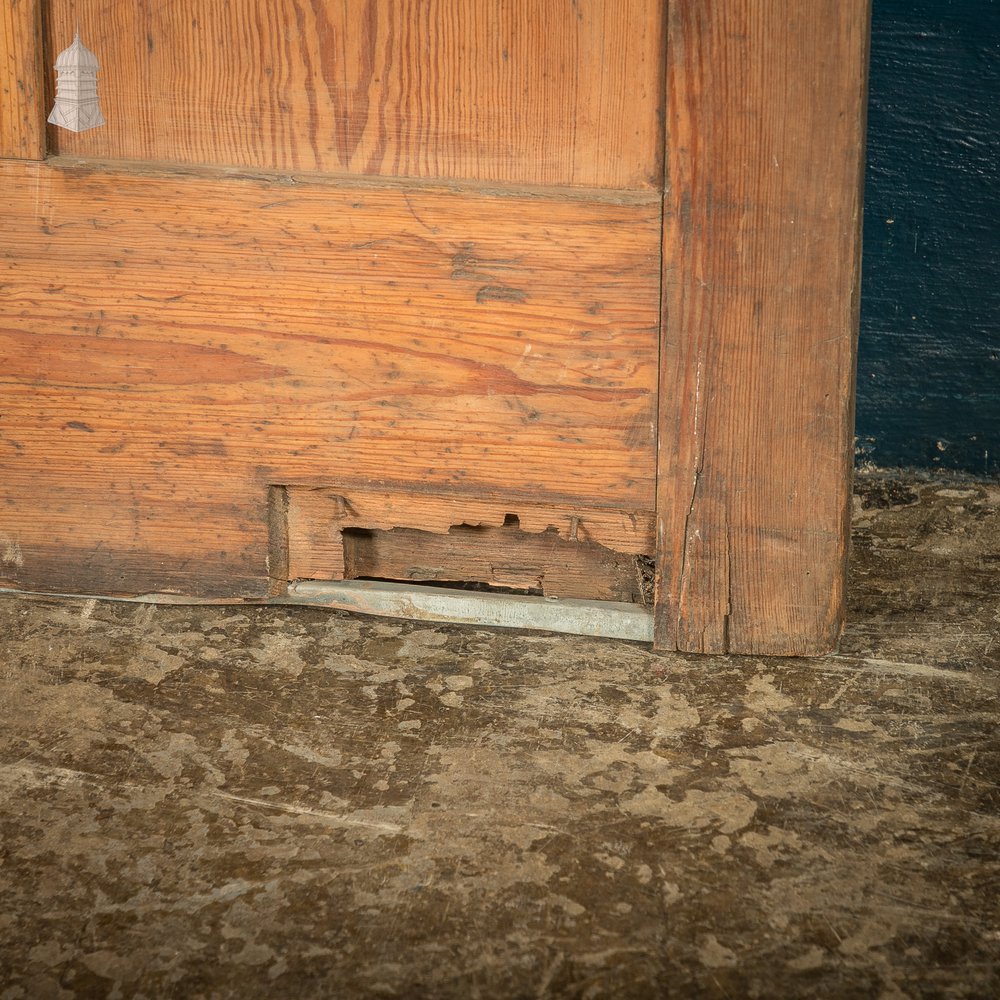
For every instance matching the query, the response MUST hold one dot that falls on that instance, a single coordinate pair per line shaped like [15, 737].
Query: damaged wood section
[534, 92]
[502, 559]
[22, 88]
[555, 550]
[173, 343]
[765, 130]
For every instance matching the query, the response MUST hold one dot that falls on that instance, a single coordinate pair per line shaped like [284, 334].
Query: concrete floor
[280, 802]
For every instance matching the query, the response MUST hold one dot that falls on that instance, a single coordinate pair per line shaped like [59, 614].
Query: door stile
[765, 119]
[22, 81]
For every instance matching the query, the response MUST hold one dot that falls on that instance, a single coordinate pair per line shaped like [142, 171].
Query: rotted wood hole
[460, 543]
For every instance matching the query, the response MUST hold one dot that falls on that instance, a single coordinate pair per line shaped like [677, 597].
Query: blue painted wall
[929, 354]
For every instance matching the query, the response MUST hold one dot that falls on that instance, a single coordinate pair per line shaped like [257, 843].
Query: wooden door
[373, 288]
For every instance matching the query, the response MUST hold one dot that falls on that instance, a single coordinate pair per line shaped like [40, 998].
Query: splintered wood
[555, 550]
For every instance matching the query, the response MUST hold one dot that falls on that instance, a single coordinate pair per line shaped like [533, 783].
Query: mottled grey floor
[279, 802]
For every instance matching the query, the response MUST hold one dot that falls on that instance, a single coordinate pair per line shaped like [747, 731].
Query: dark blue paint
[929, 355]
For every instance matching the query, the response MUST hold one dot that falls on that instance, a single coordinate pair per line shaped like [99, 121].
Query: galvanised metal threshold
[605, 619]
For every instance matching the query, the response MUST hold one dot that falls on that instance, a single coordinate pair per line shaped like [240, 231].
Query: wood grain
[174, 343]
[505, 558]
[569, 550]
[535, 92]
[765, 126]
[22, 91]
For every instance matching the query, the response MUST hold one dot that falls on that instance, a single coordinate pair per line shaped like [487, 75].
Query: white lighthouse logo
[76, 106]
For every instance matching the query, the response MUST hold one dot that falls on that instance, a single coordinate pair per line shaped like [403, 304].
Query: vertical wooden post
[761, 253]
[22, 89]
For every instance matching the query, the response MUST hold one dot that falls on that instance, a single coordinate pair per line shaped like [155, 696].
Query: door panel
[185, 348]
[561, 92]
[175, 343]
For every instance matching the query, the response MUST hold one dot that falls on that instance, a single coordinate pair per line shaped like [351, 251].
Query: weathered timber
[175, 343]
[765, 126]
[505, 557]
[316, 518]
[534, 92]
[22, 89]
